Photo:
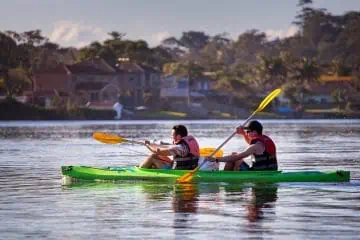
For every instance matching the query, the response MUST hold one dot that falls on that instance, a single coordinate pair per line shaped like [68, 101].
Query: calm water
[34, 205]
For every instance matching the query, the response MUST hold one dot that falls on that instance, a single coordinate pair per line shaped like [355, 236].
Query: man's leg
[229, 166]
[156, 161]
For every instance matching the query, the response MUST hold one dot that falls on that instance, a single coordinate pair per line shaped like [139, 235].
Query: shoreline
[11, 110]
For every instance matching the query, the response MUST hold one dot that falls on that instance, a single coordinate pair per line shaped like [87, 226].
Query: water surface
[34, 205]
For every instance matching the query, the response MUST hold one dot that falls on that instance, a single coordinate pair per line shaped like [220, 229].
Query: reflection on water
[187, 198]
[34, 205]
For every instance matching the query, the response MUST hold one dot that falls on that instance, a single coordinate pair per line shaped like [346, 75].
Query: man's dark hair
[255, 126]
[181, 130]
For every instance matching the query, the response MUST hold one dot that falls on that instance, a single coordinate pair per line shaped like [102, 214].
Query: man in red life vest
[185, 151]
[261, 147]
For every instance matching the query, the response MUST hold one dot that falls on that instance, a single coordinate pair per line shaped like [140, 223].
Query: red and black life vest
[267, 160]
[190, 161]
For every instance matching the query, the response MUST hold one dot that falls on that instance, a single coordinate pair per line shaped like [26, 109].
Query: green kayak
[86, 173]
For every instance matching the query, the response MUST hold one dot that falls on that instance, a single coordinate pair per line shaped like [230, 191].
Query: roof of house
[58, 69]
[335, 78]
[129, 67]
[99, 66]
[94, 66]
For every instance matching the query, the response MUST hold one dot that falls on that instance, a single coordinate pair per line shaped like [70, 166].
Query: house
[175, 87]
[322, 92]
[175, 91]
[137, 80]
[96, 82]
[50, 83]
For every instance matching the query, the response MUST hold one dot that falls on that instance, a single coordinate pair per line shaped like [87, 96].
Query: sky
[78, 22]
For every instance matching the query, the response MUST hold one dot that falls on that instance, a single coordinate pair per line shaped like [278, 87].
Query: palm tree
[306, 73]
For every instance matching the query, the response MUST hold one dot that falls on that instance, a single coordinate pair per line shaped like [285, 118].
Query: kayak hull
[86, 173]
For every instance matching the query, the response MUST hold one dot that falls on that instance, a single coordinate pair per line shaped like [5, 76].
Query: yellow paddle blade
[268, 99]
[187, 177]
[107, 138]
[115, 139]
[205, 152]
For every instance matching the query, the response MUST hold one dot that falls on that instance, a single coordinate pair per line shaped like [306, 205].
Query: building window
[106, 96]
[182, 84]
[94, 96]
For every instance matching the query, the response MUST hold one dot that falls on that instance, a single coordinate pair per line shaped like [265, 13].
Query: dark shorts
[190, 165]
[244, 167]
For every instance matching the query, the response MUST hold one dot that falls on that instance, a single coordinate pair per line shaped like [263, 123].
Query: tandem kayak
[87, 173]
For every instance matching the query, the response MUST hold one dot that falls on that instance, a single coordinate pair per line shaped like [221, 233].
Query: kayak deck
[86, 173]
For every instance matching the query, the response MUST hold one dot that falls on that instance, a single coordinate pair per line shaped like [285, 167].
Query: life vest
[267, 160]
[190, 161]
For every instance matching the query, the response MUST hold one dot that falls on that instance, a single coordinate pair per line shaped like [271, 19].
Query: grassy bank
[331, 113]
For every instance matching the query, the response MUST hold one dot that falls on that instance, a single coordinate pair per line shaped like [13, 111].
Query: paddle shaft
[188, 176]
[135, 142]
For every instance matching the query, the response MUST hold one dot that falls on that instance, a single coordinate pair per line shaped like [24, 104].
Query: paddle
[115, 139]
[188, 177]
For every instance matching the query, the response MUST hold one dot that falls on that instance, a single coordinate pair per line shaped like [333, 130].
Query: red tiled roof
[59, 69]
[79, 68]
[335, 78]
[93, 66]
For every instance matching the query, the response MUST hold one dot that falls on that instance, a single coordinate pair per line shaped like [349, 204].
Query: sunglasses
[248, 131]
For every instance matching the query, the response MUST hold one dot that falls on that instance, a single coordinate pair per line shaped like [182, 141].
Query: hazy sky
[78, 22]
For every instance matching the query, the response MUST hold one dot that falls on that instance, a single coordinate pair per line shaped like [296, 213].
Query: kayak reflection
[252, 202]
[262, 196]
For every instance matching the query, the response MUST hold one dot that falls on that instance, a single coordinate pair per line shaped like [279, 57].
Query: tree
[8, 60]
[348, 41]
[340, 96]
[116, 35]
[30, 45]
[305, 72]
[189, 44]
[214, 55]
[91, 51]
[339, 67]
[191, 41]
[249, 45]
[15, 82]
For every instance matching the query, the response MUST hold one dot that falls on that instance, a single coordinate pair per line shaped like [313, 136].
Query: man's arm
[254, 148]
[158, 149]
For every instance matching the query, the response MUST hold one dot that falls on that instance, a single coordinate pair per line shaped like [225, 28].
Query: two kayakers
[184, 149]
[261, 147]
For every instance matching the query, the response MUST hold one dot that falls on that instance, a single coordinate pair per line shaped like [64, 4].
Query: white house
[175, 86]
